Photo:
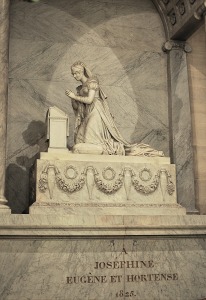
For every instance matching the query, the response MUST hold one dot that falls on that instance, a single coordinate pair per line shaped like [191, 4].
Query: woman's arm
[87, 100]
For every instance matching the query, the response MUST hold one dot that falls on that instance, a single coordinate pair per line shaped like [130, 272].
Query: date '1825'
[121, 294]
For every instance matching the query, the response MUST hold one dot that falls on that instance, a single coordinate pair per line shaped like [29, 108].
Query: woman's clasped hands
[70, 94]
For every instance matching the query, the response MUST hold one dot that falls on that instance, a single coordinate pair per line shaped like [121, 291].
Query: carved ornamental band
[90, 176]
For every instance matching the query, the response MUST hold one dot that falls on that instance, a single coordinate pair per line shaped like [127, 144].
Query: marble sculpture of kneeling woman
[95, 130]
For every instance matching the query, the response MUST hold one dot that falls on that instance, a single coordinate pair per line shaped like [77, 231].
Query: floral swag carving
[91, 177]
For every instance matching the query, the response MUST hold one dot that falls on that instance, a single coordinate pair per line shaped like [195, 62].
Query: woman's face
[77, 73]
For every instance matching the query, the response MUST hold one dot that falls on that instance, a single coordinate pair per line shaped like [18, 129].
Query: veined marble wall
[119, 40]
[197, 83]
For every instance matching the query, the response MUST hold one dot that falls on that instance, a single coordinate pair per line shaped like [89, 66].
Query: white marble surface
[120, 40]
[182, 150]
[37, 267]
[157, 160]
[82, 225]
[83, 184]
[57, 129]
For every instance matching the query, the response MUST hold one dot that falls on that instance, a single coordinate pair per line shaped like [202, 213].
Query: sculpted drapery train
[95, 130]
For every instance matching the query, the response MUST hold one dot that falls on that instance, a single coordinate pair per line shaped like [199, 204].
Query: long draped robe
[95, 125]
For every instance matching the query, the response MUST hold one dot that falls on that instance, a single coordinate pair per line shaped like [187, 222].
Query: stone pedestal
[105, 185]
[57, 130]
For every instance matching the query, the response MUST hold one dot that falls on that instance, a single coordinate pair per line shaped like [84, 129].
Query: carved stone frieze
[105, 185]
[76, 183]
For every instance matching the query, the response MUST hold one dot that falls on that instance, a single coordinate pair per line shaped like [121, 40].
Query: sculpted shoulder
[92, 83]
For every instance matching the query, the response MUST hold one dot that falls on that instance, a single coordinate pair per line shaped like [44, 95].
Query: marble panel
[119, 66]
[182, 129]
[40, 61]
[87, 22]
[32, 24]
[100, 269]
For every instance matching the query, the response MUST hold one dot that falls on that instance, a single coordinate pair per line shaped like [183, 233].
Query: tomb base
[95, 208]
[79, 184]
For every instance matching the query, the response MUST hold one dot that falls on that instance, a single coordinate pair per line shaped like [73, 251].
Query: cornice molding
[180, 17]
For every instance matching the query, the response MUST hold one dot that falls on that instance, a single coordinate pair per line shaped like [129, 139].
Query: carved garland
[43, 181]
[170, 184]
[77, 185]
[108, 188]
[145, 189]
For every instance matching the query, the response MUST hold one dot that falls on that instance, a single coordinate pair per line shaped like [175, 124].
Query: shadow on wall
[21, 175]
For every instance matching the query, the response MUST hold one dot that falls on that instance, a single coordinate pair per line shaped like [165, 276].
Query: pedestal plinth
[105, 185]
[57, 130]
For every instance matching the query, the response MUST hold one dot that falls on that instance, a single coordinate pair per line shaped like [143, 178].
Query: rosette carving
[67, 187]
[145, 189]
[108, 188]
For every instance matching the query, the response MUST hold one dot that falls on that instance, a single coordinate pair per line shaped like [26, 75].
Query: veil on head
[81, 65]
[88, 74]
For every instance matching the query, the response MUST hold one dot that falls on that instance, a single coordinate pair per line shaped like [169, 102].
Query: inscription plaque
[103, 269]
[136, 276]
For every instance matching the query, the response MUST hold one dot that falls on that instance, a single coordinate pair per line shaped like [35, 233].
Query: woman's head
[79, 70]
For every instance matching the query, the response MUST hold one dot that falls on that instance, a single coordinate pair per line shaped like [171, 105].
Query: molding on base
[39, 226]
